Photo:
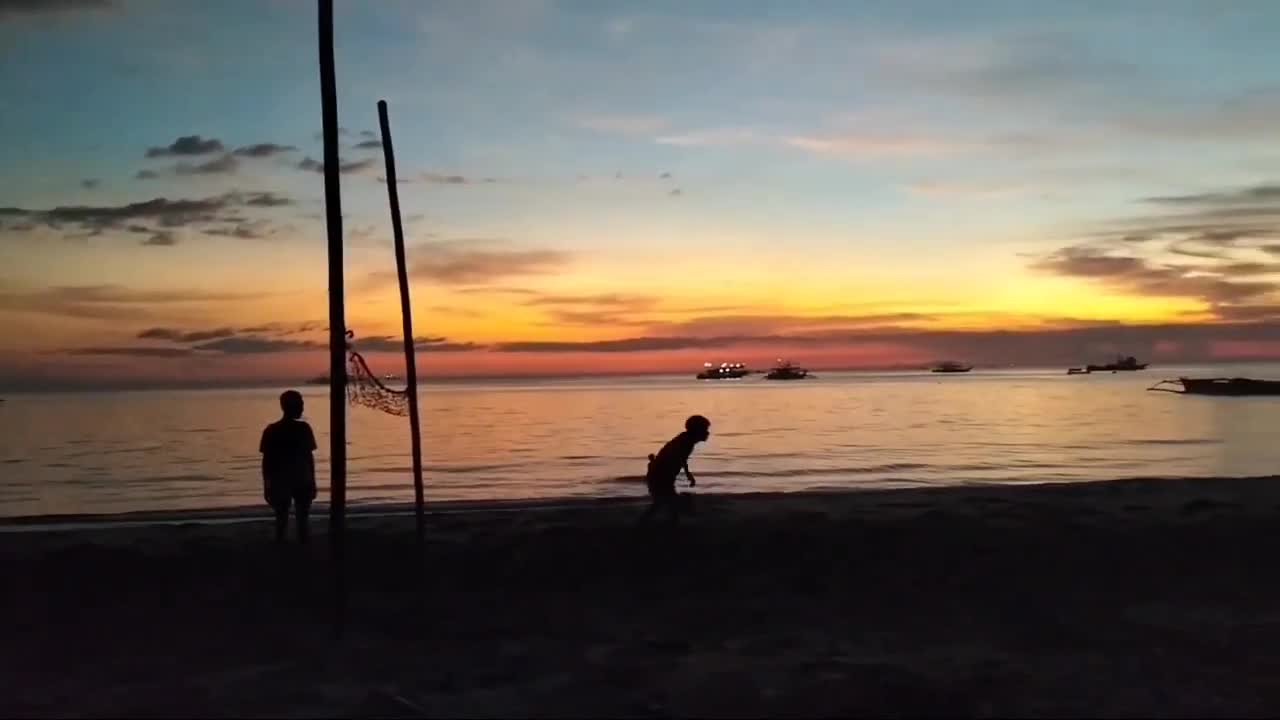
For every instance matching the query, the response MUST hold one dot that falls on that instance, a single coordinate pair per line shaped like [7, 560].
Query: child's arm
[266, 477]
[693, 482]
[311, 462]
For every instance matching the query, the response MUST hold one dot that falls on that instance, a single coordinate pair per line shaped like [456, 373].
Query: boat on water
[1226, 387]
[1077, 371]
[784, 370]
[723, 371]
[951, 366]
[1122, 364]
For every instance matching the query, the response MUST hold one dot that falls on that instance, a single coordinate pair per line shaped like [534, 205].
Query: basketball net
[364, 387]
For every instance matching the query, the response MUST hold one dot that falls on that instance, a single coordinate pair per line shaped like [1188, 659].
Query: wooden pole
[406, 315]
[337, 319]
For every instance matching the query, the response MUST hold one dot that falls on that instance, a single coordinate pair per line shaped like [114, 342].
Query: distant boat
[1077, 371]
[1228, 387]
[784, 370]
[723, 371]
[951, 366]
[1121, 364]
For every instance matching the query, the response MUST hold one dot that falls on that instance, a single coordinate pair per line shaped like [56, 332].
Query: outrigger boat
[784, 370]
[1121, 364]
[724, 371]
[1226, 387]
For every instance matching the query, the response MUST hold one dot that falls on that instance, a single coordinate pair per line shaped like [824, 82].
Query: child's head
[698, 426]
[291, 404]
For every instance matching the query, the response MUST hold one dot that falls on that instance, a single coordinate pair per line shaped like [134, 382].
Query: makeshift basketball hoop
[364, 387]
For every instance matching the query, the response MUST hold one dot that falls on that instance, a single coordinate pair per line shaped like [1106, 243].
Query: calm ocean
[105, 452]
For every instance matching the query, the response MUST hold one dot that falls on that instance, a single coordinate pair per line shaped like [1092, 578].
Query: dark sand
[1153, 597]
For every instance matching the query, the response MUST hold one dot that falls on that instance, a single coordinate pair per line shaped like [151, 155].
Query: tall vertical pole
[406, 315]
[337, 319]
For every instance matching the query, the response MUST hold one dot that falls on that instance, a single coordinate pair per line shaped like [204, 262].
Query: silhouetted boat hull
[1120, 365]
[1226, 387]
[725, 371]
[787, 371]
[1077, 371]
[952, 367]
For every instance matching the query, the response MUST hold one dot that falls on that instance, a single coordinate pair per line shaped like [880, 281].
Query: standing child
[667, 464]
[288, 468]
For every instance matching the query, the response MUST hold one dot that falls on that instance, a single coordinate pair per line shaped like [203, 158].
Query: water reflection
[107, 452]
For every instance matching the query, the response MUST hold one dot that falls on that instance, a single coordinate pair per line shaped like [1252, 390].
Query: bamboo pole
[406, 315]
[337, 319]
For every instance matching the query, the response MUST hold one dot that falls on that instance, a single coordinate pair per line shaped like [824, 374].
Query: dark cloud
[391, 343]
[108, 302]
[161, 238]
[1254, 194]
[438, 179]
[48, 7]
[294, 328]
[470, 262]
[248, 345]
[665, 176]
[1191, 248]
[368, 134]
[146, 175]
[1248, 268]
[431, 178]
[222, 165]
[1053, 346]
[1211, 247]
[87, 220]
[497, 290]
[242, 231]
[160, 209]
[267, 199]
[90, 183]
[369, 145]
[354, 166]
[216, 341]
[676, 192]
[188, 145]
[1143, 277]
[726, 325]
[603, 309]
[595, 318]
[1023, 67]
[262, 150]
[638, 344]
[608, 300]
[1249, 313]
[185, 336]
[1062, 344]
[140, 351]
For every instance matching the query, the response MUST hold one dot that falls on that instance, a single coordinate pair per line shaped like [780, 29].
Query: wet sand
[1147, 597]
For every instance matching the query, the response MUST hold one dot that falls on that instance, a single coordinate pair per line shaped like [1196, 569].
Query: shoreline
[373, 510]
[1134, 598]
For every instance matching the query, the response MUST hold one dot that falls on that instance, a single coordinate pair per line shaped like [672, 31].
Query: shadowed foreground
[1154, 597]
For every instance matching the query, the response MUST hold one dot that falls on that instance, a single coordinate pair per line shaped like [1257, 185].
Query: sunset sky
[601, 186]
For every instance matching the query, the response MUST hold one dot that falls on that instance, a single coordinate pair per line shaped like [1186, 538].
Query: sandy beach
[1141, 597]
